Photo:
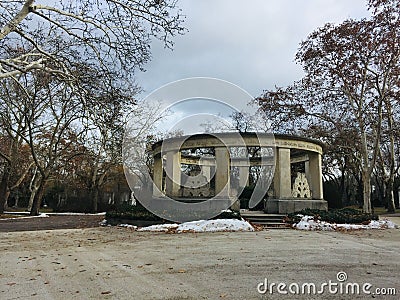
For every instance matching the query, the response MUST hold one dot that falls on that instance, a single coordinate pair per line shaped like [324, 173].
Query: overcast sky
[249, 43]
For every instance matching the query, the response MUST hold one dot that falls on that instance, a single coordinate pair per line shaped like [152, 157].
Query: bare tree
[351, 75]
[71, 62]
[16, 157]
[114, 35]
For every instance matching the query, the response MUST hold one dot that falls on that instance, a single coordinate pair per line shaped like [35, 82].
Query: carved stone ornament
[301, 189]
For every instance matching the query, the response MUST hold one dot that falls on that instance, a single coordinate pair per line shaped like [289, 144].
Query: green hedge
[339, 216]
[138, 212]
[132, 212]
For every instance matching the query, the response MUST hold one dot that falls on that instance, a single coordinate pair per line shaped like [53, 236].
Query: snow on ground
[55, 213]
[159, 227]
[104, 223]
[308, 223]
[202, 226]
[42, 215]
[215, 225]
[76, 214]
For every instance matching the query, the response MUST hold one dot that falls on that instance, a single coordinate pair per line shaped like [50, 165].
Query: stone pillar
[173, 173]
[307, 170]
[222, 174]
[282, 176]
[316, 175]
[157, 177]
[243, 176]
[206, 171]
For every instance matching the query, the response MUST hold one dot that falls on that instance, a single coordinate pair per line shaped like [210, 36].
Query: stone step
[263, 217]
[265, 221]
[261, 214]
[270, 221]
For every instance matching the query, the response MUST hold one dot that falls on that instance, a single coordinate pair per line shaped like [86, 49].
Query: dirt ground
[118, 263]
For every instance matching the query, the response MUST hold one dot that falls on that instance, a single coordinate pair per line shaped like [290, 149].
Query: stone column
[307, 170]
[173, 173]
[157, 177]
[243, 176]
[316, 175]
[222, 173]
[282, 176]
[206, 171]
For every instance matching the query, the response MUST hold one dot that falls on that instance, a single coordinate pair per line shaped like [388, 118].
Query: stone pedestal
[285, 206]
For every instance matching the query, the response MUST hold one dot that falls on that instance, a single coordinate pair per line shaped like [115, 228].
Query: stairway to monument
[270, 221]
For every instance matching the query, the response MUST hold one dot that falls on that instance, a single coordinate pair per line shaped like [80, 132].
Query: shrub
[129, 212]
[343, 215]
[132, 212]
[229, 215]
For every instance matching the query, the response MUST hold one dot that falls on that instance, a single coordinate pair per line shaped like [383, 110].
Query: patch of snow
[308, 223]
[103, 223]
[126, 226]
[42, 215]
[76, 214]
[159, 227]
[215, 226]
[203, 226]
[55, 213]
[381, 224]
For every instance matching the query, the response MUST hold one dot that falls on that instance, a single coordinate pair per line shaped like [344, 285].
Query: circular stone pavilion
[287, 169]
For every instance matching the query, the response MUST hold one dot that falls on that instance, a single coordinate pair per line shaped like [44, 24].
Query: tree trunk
[16, 200]
[95, 199]
[10, 26]
[37, 200]
[366, 179]
[389, 196]
[33, 187]
[4, 192]
[7, 195]
[343, 189]
[360, 189]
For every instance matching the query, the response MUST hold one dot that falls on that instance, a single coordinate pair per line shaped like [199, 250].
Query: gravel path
[118, 263]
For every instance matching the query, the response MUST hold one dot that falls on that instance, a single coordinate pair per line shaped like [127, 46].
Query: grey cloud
[250, 43]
